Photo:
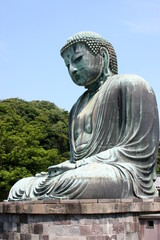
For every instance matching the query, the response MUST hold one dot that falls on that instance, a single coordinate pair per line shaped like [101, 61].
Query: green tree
[33, 136]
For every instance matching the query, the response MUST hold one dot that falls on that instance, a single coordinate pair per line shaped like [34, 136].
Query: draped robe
[119, 158]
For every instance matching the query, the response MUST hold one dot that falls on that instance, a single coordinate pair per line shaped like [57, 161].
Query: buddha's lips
[77, 77]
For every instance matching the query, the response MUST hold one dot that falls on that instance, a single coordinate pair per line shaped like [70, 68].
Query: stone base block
[97, 219]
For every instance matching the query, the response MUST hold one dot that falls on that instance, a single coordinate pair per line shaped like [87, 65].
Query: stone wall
[119, 219]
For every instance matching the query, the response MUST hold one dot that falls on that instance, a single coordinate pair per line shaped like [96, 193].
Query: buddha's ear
[104, 53]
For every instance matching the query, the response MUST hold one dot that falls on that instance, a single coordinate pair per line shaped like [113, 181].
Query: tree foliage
[33, 136]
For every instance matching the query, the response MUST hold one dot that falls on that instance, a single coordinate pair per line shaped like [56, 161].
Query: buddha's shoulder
[126, 80]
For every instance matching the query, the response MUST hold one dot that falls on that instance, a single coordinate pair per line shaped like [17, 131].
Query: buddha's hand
[60, 168]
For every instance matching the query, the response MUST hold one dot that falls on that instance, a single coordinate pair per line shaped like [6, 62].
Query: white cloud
[143, 16]
[151, 26]
[144, 5]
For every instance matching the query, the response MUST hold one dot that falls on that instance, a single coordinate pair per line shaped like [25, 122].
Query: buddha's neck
[94, 87]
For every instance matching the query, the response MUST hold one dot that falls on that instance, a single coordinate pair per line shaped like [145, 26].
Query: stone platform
[95, 219]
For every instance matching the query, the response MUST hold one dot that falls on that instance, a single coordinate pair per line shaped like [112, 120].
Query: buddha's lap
[93, 173]
[94, 180]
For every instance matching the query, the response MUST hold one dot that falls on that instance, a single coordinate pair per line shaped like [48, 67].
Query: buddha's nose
[72, 70]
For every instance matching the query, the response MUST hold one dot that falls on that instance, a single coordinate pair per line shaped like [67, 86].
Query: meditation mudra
[113, 131]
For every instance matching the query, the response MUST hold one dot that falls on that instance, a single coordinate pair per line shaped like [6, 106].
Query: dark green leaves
[33, 136]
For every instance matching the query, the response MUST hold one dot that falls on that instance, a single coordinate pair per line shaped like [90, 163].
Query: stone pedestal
[102, 219]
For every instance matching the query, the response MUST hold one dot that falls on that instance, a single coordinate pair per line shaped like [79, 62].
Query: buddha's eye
[78, 59]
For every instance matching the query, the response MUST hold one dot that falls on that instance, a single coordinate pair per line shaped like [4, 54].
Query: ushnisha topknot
[94, 42]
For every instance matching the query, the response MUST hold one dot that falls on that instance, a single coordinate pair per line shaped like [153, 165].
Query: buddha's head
[89, 57]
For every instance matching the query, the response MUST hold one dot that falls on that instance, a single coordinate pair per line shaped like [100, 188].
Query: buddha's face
[83, 66]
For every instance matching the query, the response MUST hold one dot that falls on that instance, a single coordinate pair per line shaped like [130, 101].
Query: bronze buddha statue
[113, 131]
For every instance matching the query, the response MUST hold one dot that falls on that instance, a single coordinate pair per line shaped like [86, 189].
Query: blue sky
[32, 33]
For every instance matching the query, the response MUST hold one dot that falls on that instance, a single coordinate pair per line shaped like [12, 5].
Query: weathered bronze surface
[113, 131]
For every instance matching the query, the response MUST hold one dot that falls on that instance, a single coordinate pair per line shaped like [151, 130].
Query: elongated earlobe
[104, 53]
